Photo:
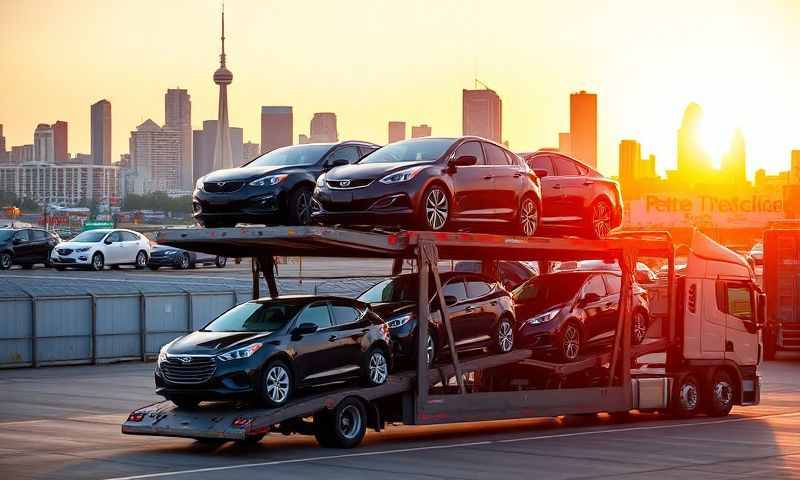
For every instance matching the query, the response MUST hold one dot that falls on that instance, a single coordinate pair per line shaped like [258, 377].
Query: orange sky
[372, 61]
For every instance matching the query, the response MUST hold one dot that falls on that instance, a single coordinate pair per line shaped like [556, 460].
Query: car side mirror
[305, 329]
[541, 173]
[464, 161]
[450, 300]
[337, 162]
[590, 297]
[108, 241]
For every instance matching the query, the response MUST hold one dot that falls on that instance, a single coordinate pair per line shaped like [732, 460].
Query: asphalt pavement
[64, 423]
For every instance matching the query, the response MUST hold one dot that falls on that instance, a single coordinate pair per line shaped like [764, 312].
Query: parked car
[481, 314]
[274, 188]
[644, 275]
[433, 184]
[165, 256]
[26, 247]
[562, 313]
[97, 248]
[575, 197]
[756, 255]
[267, 349]
[511, 273]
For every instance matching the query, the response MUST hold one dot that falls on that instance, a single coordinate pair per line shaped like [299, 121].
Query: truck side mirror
[761, 309]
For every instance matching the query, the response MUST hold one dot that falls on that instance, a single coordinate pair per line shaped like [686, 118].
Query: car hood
[368, 171]
[164, 249]
[246, 173]
[211, 343]
[388, 310]
[76, 245]
[537, 308]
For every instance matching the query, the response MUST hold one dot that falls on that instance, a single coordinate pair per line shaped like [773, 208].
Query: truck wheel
[276, 384]
[343, 427]
[721, 394]
[687, 397]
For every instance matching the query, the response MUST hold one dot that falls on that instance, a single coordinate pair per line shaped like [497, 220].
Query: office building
[61, 142]
[155, 158]
[419, 131]
[2, 141]
[276, 128]
[397, 131]
[178, 116]
[65, 184]
[323, 128]
[101, 133]
[203, 148]
[583, 127]
[630, 154]
[794, 169]
[236, 135]
[43, 148]
[482, 114]
[250, 151]
[564, 143]
[733, 167]
[223, 155]
[302, 139]
[21, 154]
[694, 163]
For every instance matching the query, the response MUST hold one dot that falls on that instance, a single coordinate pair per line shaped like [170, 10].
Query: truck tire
[342, 427]
[687, 396]
[721, 393]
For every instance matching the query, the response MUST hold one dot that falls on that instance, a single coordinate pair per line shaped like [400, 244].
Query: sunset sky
[373, 61]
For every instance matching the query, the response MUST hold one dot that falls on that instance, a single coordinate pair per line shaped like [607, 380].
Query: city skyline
[642, 96]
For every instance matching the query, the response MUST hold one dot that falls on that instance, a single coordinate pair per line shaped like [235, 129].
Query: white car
[97, 248]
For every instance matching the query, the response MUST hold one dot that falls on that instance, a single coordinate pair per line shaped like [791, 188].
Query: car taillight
[241, 422]
[136, 417]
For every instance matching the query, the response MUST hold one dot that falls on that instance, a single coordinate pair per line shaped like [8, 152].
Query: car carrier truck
[781, 283]
[702, 357]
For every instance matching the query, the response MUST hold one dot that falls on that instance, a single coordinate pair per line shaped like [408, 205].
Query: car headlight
[162, 354]
[199, 184]
[83, 249]
[321, 180]
[399, 321]
[240, 353]
[268, 180]
[170, 252]
[401, 176]
[543, 317]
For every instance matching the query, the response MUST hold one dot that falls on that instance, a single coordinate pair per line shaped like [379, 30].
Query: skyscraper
[276, 128]
[583, 127]
[237, 145]
[734, 170]
[420, 131]
[482, 114]
[794, 170]
[178, 116]
[630, 154]
[101, 133]
[397, 131]
[323, 128]
[223, 157]
[155, 157]
[250, 151]
[694, 163]
[302, 139]
[61, 142]
[43, 149]
[4, 156]
[564, 143]
[203, 154]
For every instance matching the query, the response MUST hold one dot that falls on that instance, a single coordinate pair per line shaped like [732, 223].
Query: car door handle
[332, 338]
[556, 187]
[469, 309]
[488, 177]
[588, 182]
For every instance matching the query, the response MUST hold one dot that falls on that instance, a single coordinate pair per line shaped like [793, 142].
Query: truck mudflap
[751, 390]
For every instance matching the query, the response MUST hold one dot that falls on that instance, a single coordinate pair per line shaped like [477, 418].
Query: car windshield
[399, 289]
[758, 247]
[549, 290]
[6, 234]
[254, 317]
[416, 150]
[291, 155]
[89, 237]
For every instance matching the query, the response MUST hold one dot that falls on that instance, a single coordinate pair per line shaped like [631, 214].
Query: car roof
[303, 298]
[543, 151]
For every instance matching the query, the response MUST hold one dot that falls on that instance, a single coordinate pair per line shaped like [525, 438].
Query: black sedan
[165, 256]
[481, 314]
[432, 184]
[274, 188]
[563, 313]
[267, 349]
[26, 247]
[577, 198]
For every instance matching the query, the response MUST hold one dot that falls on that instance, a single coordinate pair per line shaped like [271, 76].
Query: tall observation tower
[223, 77]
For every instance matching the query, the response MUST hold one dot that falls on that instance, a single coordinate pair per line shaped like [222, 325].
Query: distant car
[274, 188]
[562, 313]
[481, 314]
[432, 184]
[644, 275]
[165, 256]
[95, 249]
[756, 255]
[575, 197]
[26, 247]
[267, 349]
[511, 273]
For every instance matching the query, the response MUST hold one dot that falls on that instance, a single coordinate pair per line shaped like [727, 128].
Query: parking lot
[64, 423]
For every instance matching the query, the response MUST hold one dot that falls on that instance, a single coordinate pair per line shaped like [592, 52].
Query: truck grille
[222, 187]
[790, 336]
[196, 370]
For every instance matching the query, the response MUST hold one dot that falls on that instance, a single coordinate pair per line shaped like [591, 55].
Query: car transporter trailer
[445, 393]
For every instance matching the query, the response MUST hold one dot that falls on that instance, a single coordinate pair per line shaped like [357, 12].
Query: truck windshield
[254, 317]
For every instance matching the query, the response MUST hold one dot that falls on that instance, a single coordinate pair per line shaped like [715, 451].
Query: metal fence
[40, 329]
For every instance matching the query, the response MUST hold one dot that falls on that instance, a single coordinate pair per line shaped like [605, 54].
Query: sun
[716, 131]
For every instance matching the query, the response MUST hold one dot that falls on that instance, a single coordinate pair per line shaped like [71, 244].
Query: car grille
[348, 184]
[198, 370]
[222, 187]
[64, 251]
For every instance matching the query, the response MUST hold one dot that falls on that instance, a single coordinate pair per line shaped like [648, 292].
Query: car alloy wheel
[571, 342]
[141, 260]
[639, 328]
[276, 384]
[528, 217]
[505, 336]
[304, 207]
[601, 219]
[184, 261]
[5, 261]
[220, 262]
[430, 351]
[97, 261]
[436, 208]
[378, 368]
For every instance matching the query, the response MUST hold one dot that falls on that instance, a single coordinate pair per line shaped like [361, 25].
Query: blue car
[164, 256]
